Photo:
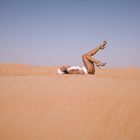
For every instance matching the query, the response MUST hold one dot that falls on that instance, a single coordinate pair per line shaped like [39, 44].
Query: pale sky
[55, 32]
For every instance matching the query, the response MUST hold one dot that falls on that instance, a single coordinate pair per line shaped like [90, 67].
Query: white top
[73, 68]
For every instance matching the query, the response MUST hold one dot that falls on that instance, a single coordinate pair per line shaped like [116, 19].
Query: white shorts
[85, 70]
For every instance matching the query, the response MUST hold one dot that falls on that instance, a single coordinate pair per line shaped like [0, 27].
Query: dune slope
[70, 107]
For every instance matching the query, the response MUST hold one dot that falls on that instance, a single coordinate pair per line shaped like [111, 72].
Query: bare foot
[103, 45]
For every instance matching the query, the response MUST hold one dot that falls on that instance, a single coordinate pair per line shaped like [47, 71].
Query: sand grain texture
[37, 104]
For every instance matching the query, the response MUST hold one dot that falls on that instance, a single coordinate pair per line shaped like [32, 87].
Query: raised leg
[89, 61]
[88, 64]
[95, 50]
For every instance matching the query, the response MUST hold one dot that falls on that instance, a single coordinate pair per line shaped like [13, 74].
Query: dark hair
[65, 71]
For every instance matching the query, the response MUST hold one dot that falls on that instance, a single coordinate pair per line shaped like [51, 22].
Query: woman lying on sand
[88, 63]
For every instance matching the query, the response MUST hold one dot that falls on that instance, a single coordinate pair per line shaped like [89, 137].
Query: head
[64, 69]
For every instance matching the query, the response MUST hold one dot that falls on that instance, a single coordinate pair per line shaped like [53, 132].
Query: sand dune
[38, 104]
[30, 70]
[23, 69]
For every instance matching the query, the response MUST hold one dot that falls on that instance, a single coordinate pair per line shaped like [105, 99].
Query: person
[88, 61]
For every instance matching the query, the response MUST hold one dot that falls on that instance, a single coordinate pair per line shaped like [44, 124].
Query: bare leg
[88, 64]
[95, 50]
[89, 61]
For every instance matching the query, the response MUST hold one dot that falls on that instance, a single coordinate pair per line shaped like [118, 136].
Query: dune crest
[30, 70]
[23, 69]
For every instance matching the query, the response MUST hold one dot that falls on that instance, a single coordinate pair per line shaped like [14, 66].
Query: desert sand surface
[38, 104]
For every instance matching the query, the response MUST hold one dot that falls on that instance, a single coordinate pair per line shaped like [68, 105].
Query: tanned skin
[88, 61]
